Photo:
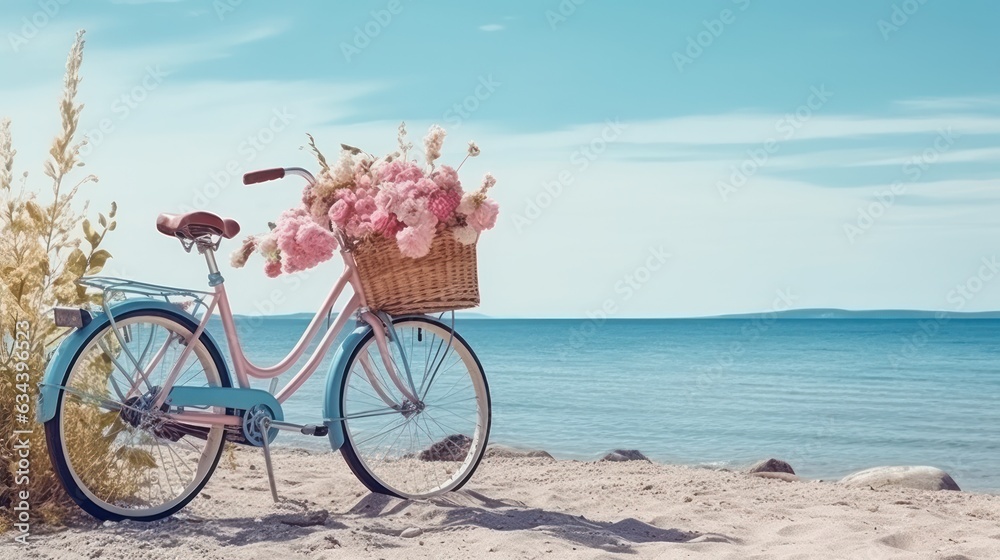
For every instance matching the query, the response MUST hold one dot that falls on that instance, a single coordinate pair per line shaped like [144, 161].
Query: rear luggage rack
[117, 289]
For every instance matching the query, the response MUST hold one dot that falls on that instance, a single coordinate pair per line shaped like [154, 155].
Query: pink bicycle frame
[245, 369]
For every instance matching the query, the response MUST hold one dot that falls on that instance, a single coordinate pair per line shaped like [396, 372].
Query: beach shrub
[46, 244]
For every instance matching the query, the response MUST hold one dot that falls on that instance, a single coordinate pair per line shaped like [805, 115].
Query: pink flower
[365, 206]
[414, 212]
[362, 194]
[340, 212]
[385, 223]
[406, 189]
[398, 171]
[310, 246]
[484, 217]
[470, 201]
[364, 229]
[358, 227]
[302, 243]
[415, 242]
[447, 178]
[425, 187]
[272, 269]
[443, 204]
[387, 197]
[347, 195]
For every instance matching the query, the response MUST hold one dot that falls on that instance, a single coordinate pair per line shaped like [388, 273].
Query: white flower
[488, 181]
[342, 173]
[404, 146]
[473, 149]
[433, 143]
[465, 235]
[469, 203]
[268, 247]
[238, 259]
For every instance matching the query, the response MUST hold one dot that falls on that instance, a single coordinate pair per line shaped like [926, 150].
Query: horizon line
[784, 314]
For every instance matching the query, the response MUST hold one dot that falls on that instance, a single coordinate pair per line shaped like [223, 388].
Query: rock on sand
[625, 455]
[772, 466]
[921, 478]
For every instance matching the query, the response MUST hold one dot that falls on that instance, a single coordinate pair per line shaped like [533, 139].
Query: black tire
[349, 450]
[54, 436]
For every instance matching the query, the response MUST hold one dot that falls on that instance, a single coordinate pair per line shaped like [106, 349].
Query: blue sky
[844, 153]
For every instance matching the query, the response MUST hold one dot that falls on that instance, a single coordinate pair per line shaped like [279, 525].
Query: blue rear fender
[71, 346]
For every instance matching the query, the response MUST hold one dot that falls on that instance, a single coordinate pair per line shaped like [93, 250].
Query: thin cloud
[491, 27]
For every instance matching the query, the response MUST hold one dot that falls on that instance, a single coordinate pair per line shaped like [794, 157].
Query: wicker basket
[443, 280]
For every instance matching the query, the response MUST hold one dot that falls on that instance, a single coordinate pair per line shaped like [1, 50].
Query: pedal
[314, 430]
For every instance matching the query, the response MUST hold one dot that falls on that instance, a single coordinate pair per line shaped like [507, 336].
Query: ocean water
[829, 396]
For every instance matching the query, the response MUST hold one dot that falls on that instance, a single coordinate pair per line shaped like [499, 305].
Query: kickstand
[265, 428]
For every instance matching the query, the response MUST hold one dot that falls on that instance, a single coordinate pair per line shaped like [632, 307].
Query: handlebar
[263, 175]
[276, 173]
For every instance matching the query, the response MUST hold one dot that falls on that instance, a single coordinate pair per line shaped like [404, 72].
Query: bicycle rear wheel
[415, 449]
[117, 456]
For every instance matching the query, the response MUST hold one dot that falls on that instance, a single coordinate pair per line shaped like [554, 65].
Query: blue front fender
[334, 380]
[73, 344]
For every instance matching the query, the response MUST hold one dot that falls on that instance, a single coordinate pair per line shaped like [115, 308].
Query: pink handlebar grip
[263, 175]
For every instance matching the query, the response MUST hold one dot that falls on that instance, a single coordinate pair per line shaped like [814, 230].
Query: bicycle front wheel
[417, 449]
[118, 456]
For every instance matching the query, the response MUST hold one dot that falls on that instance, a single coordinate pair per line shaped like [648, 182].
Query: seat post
[214, 276]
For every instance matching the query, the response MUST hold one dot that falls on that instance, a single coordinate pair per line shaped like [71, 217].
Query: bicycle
[137, 402]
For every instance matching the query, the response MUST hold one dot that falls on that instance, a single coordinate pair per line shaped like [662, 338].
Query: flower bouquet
[411, 229]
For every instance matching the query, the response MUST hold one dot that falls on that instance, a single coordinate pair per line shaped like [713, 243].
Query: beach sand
[520, 507]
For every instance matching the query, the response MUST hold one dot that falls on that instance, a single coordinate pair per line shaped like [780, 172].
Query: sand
[518, 507]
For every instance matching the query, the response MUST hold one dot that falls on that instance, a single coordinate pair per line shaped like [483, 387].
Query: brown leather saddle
[194, 225]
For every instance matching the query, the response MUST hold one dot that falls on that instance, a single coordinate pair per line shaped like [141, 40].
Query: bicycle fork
[382, 325]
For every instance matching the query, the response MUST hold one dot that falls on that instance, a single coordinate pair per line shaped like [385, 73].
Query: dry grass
[46, 244]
